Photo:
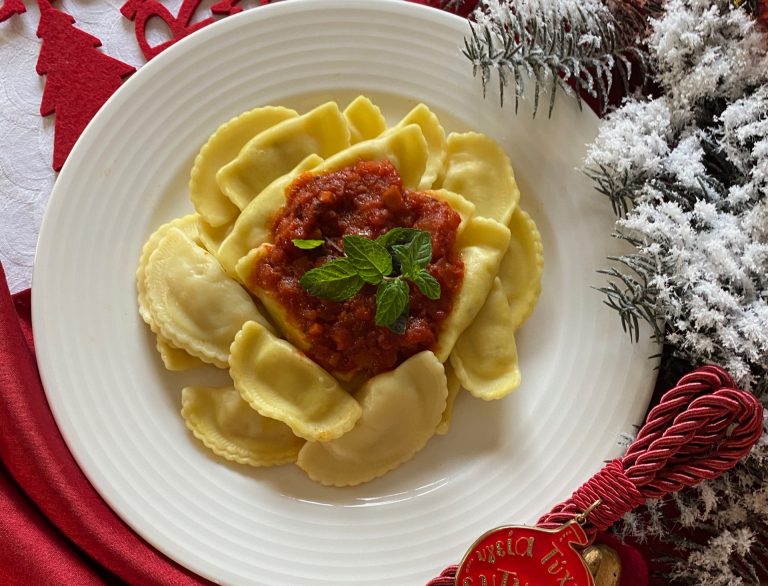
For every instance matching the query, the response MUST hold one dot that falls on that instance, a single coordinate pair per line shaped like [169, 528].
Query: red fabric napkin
[54, 527]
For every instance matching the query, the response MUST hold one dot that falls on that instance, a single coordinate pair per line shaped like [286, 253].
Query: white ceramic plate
[583, 382]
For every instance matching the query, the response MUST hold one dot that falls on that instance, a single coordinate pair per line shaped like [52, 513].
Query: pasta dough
[521, 268]
[365, 120]
[434, 134]
[485, 355]
[477, 168]
[276, 151]
[482, 245]
[282, 383]
[228, 427]
[192, 301]
[400, 412]
[253, 225]
[223, 146]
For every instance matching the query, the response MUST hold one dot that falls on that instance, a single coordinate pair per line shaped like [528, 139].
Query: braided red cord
[700, 429]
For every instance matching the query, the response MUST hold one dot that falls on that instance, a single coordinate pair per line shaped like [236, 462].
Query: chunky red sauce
[367, 199]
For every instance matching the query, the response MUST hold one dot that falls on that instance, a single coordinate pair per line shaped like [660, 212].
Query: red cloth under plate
[54, 527]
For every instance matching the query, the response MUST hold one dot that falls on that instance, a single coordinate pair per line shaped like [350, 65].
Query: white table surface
[26, 139]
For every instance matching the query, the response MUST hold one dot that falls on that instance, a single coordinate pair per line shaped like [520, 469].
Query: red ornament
[527, 556]
[141, 11]
[11, 7]
[78, 78]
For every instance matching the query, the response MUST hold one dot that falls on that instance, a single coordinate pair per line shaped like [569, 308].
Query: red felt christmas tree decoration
[11, 7]
[181, 25]
[78, 77]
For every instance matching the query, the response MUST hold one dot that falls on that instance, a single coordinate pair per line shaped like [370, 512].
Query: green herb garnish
[399, 255]
[307, 244]
[336, 280]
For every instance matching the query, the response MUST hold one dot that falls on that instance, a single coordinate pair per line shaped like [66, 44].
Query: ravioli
[434, 134]
[405, 147]
[223, 146]
[188, 225]
[365, 120]
[227, 426]
[454, 386]
[477, 168]
[277, 150]
[400, 412]
[273, 307]
[485, 356]
[175, 358]
[282, 383]
[482, 244]
[521, 268]
[252, 227]
[192, 301]
[377, 401]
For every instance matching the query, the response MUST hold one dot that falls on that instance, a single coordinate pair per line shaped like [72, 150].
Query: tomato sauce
[367, 199]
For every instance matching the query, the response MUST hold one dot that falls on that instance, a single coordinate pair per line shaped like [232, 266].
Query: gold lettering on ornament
[505, 580]
[557, 566]
[523, 546]
[520, 547]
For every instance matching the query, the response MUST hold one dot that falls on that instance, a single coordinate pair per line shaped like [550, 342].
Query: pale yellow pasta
[365, 120]
[282, 383]
[227, 426]
[477, 168]
[434, 134]
[274, 152]
[188, 225]
[481, 246]
[193, 303]
[400, 412]
[211, 237]
[274, 308]
[175, 358]
[405, 147]
[485, 356]
[521, 268]
[220, 149]
[454, 386]
[254, 225]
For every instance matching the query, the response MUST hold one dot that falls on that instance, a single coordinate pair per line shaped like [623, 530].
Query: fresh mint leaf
[414, 256]
[427, 284]
[336, 280]
[370, 259]
[397, 236]
[307, 244]
[401, 253]
[391, 301]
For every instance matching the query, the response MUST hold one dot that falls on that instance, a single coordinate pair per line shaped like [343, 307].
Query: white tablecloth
[26, 139]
